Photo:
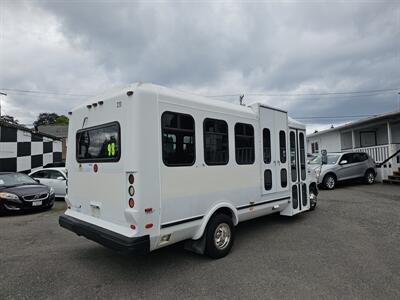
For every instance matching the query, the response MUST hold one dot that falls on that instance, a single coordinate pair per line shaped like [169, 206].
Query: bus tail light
[131, 202]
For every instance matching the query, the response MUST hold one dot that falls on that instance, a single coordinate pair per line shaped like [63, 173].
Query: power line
[307, 94]
[333, 117]
[44, 92]
[217, 96]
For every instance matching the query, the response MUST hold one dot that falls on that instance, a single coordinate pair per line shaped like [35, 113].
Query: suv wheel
[329, 182]
[219, 236]
[369, 177]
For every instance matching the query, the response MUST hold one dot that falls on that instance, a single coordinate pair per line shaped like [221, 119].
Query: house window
[244, 144]
[215, 142]
[178, 139]
[368, 138]
[314, 147]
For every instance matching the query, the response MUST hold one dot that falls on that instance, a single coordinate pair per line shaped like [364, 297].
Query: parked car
[344, 166]
[54, 177]
[20, 192]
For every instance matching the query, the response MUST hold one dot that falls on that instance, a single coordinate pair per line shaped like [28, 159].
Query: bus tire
[219, 236]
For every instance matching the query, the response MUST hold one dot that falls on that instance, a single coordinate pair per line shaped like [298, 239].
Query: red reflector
[148, 226]
[131, 179]
[95, 168]
[148, 210]
[133, 226]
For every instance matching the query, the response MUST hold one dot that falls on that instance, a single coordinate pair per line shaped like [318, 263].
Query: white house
[379, 136]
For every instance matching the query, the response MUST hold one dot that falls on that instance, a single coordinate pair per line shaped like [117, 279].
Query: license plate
[36, 203]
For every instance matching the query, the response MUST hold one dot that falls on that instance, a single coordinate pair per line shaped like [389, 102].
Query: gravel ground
[348, 248]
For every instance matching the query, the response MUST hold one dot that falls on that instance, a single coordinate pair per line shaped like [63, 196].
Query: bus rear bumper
[105, 237]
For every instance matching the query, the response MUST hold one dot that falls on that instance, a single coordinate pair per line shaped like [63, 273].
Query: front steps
[393, 179]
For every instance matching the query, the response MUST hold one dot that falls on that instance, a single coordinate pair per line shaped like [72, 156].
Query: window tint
[99, 143]
[348, 157]
[304, 194]
[40, 174]
[267, 180]
[267, 145]
[293, 160]
[295, 200]
[53, 174]
[302, 157]
[283, 178]
[282, 146]
[215, 142]
[244, 143]
[178, 139]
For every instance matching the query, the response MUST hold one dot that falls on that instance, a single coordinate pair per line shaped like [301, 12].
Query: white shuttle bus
[149, 166]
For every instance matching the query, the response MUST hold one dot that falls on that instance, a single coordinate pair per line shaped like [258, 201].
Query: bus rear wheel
[219, 236]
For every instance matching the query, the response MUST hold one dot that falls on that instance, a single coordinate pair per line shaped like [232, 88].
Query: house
[23, 149]
[58, 130]
[379, 136]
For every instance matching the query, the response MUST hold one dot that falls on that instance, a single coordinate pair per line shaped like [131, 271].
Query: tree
[9, 119]
[62, 120]
[50, 119]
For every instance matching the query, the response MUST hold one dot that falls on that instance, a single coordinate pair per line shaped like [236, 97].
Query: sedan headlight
[8, 196]
[51, 191]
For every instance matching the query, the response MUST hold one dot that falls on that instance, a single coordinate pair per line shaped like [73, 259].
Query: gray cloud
[206, 48]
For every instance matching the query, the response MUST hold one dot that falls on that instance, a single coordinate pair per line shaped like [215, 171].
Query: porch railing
[378, 153]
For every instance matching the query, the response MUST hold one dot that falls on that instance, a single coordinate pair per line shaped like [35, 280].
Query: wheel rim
[330, 182]
[370, 178]
[222, 236]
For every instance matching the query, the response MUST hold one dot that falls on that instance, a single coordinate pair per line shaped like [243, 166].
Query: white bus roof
[176, 96]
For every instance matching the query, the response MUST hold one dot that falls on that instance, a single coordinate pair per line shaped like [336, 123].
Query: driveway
[347, 248]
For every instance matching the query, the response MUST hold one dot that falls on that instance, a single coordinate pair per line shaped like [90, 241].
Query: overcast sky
[208, 48]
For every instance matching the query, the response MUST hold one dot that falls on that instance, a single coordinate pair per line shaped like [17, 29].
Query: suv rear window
[99, 143]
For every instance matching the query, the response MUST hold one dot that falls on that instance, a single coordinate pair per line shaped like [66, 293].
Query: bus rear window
[99, 143]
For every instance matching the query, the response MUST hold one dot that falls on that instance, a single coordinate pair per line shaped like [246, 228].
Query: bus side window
[178, 139]
[216, 150]
[244, 144]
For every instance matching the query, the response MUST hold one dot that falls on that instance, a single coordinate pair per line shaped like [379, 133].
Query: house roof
[395, 116]
[58, 130]
[23, 128]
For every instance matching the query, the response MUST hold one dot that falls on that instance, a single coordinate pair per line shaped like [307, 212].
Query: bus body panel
[171, 203]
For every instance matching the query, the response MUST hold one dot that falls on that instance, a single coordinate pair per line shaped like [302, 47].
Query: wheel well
[224, 210]
[370, 169]
[330, 173]
[313, 185]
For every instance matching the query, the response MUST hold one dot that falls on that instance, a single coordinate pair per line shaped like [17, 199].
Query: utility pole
[4, 94]
[398, 100]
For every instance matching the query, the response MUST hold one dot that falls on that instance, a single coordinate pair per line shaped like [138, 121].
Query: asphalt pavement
[348, 248]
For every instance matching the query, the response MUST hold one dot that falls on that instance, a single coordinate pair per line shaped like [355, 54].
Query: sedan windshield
[15, 179]
[332, 159]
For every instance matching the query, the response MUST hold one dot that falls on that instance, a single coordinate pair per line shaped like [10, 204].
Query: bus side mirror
[324, 157]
